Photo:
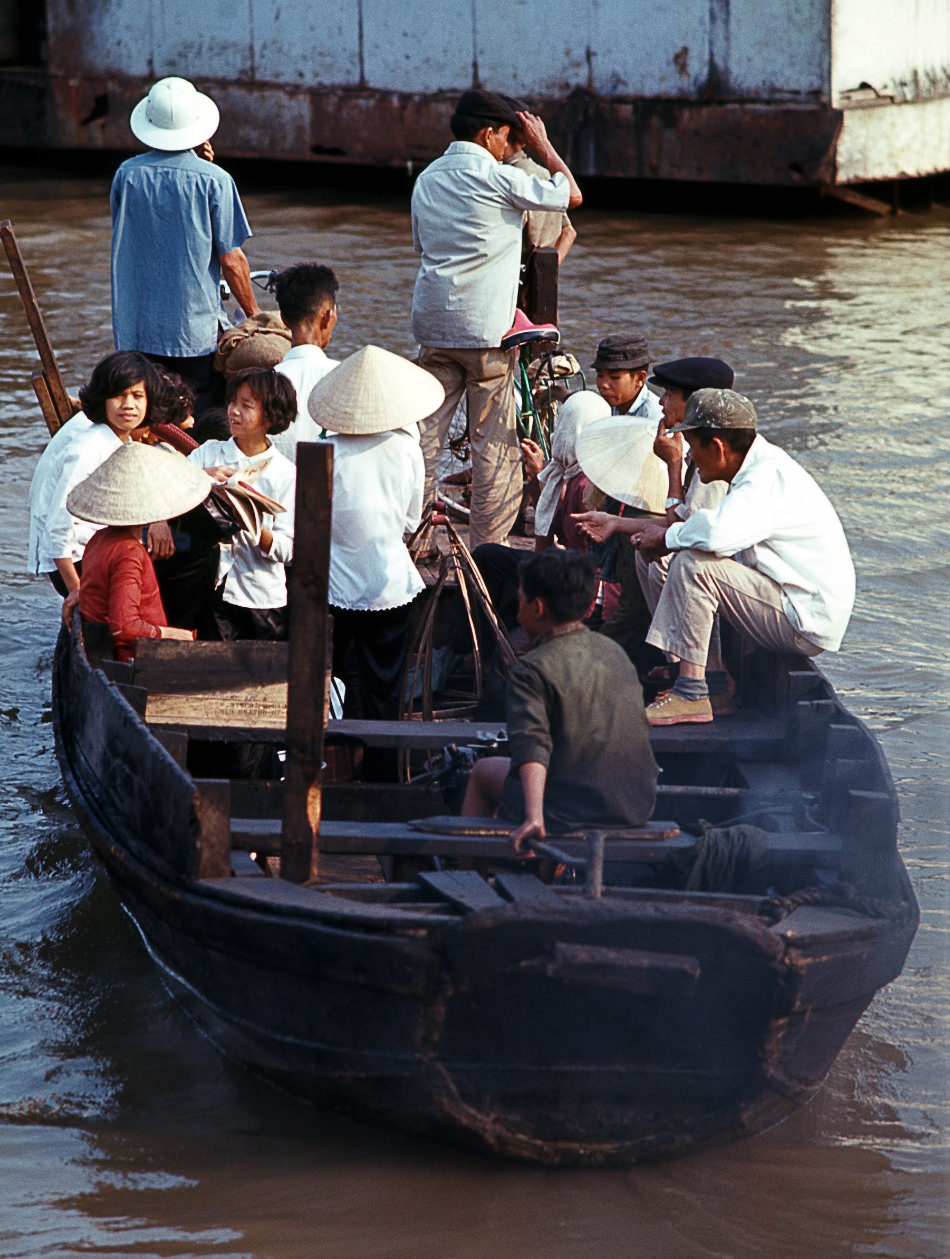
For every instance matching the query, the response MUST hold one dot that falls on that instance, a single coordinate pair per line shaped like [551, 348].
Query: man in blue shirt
[177, 226]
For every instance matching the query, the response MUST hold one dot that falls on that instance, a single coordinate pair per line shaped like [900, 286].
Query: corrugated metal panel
[725, 49]
[421, 47]
[781, 47]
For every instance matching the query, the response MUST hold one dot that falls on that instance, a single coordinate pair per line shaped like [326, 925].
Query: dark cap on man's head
[689, 374]
[488, 106]
[717, 408]
[520, 107]
[622, 352]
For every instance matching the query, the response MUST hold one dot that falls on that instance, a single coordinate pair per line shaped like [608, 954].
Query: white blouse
[73, 453]
[377, 496]
[251, 578]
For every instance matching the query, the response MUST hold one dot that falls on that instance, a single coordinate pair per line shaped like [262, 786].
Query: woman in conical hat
[135, 486]
[562, 488]
[563, 473]
[372, 404]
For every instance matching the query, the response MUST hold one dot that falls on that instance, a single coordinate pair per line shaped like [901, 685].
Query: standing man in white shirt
[772, 558]
[306, 298]
[467, 214]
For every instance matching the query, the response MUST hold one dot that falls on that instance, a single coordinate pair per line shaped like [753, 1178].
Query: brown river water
[123, 1132]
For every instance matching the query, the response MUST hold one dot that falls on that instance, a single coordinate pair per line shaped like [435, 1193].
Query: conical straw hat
[617, 455]
[573, 416]
[374, 391]
[138, 485]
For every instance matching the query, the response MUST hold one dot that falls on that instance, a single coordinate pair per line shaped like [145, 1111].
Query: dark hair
[112, 376]
[565, 580]
[467, 126]
[274, 392]
[737, 439]
[303, 290]
[212, 425]
[174, 399]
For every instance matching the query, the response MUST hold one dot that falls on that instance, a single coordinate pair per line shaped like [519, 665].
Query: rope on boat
[832, 896]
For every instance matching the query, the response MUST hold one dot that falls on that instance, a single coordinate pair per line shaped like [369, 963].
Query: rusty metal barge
[815, 94]
[656, 1006]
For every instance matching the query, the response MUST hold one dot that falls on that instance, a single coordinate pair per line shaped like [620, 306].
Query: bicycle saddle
[523, 330]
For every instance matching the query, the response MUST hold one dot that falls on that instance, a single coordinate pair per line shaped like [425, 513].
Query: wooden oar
[55, 390]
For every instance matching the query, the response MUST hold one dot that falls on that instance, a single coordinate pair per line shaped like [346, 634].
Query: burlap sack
[259, 341]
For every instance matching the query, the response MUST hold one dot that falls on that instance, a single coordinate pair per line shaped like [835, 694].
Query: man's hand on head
[533, 129]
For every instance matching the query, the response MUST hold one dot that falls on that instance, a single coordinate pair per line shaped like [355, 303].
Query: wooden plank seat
[403, 840]
[211, 686]
[238, 691]
[262, 835]
[452, 824]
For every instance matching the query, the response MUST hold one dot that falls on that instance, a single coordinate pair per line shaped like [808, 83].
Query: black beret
[693, 373]
[487, 105]
[622, 351]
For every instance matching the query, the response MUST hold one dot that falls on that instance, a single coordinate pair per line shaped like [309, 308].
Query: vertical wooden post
[211, 858]
[54, 381]
[308, 681]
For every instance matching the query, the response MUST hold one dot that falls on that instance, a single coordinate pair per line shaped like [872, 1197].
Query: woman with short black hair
[115, 401]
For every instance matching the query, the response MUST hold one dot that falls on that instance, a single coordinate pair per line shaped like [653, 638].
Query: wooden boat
[623, 1018]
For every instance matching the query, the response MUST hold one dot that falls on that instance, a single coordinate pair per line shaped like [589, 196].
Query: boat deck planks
[464, 888]
[527, 890]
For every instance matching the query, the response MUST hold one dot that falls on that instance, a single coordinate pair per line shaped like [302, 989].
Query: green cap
[717, 408]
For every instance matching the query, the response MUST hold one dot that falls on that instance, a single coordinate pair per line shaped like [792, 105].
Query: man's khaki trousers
[486, 378]
[698, 585]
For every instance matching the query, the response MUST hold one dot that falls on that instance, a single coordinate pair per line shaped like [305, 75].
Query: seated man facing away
[772, 558]
[579, 740]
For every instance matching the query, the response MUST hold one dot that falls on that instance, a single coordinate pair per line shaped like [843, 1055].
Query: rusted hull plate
[753, 143]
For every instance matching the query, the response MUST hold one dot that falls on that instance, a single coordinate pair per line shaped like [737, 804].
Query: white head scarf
[574, 414]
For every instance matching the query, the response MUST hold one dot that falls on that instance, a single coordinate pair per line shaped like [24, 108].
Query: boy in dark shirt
[579, 738]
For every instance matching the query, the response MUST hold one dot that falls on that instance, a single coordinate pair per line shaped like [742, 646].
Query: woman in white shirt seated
[115, 402]
[252, 581]
[372, 403]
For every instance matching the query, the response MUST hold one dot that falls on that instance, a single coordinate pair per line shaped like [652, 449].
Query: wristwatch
[672, 502]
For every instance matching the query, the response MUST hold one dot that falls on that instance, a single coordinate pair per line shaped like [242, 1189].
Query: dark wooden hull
[642, 1025]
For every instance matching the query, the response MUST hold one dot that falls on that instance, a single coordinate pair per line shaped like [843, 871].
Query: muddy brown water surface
[123, 1132]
